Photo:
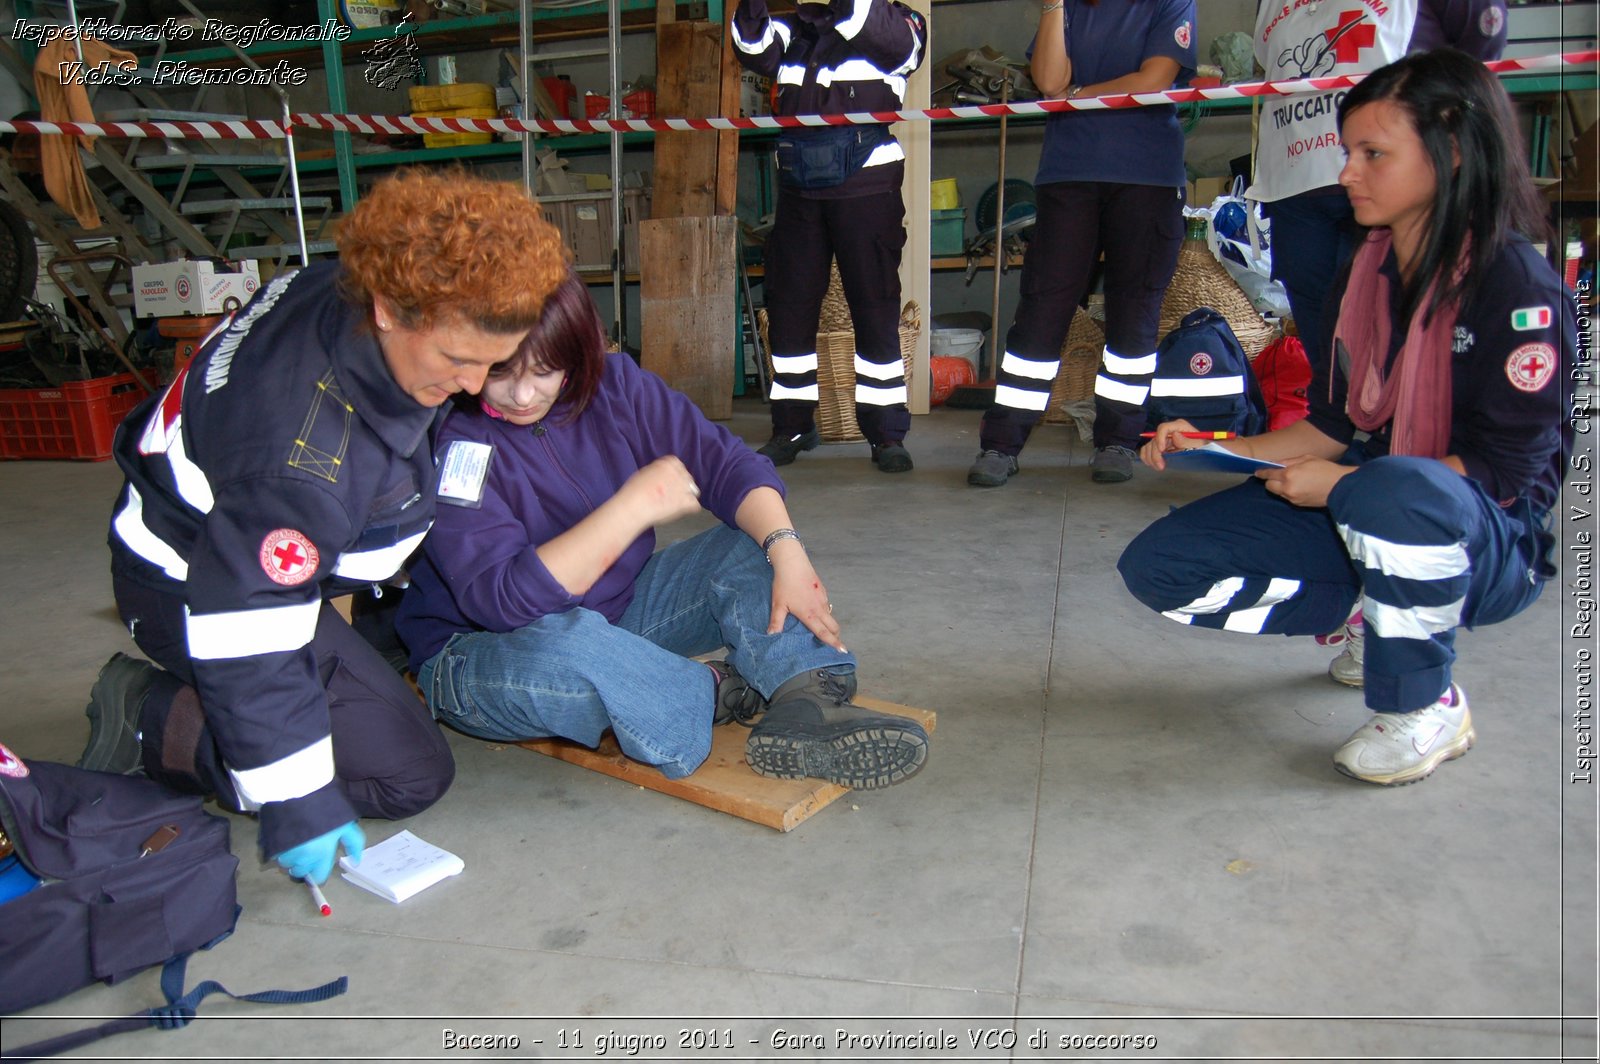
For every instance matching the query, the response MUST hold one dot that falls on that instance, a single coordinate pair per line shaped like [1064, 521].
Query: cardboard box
[165, 289]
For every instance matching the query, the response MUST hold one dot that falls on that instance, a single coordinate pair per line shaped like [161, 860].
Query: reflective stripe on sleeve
[380, 564]
[131, 529]
[289, 777]
[247, 633]
[851, 26]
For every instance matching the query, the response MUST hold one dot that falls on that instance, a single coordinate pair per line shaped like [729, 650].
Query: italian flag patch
[1529, 319]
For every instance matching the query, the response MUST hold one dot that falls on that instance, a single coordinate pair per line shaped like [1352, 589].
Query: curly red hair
[445, 245]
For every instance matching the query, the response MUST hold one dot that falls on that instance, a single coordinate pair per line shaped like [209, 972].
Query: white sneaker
[1351, 635]
[1394, 748]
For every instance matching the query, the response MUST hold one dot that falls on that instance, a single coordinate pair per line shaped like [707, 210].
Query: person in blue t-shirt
[1110, 183]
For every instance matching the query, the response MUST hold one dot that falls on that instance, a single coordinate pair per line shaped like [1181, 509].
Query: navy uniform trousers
[1424, 549]
[1139, 230]
[866, 234]
[389, 757]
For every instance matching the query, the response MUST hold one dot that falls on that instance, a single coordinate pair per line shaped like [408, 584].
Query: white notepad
[400, 866]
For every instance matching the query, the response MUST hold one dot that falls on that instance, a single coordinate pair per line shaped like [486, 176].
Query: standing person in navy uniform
[1452, 340]
[1298, 159]
[290, 463]
[838, 198]
[1110, 183]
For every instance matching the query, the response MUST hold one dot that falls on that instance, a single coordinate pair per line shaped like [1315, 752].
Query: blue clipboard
[1215, 458]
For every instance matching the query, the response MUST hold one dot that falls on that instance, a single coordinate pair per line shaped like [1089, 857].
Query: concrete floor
[1125, 827]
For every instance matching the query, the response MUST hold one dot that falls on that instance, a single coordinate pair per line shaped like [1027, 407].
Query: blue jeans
[573, 675]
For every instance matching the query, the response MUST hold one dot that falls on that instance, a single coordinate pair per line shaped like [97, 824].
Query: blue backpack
[1203, 376]
[110, 875]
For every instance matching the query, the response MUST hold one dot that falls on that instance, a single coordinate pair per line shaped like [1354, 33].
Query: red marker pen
[1198, 435]
[318, 900]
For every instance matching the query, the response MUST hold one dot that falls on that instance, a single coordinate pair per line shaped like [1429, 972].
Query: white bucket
[962, 343]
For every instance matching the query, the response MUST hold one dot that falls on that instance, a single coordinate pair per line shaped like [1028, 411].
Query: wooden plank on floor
[688, 309]
[696, 171]
[725, 783]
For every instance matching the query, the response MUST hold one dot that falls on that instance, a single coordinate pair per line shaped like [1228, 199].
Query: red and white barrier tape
[410, 124]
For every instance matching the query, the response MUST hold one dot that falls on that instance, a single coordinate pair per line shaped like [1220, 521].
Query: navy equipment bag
[1203, 376]
[130, 874]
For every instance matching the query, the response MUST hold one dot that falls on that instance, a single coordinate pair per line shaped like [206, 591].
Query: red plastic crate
[76, 420]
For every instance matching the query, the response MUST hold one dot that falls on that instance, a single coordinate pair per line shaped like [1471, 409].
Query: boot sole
[862, 758]
[985, 480]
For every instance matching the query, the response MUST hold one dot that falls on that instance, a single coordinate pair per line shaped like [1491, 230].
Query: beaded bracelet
[774, 537]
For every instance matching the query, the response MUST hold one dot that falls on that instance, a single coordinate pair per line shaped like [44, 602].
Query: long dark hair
[569, 336]
[1459, 111]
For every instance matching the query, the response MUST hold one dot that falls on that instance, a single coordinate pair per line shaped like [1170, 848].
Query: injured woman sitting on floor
[541, 608]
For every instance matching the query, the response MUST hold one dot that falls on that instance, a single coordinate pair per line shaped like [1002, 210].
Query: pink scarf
[1415, 395]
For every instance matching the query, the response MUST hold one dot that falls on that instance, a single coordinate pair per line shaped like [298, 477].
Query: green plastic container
[947, 232]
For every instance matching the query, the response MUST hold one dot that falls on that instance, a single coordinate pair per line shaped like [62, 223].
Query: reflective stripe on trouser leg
[1024, 383]
[1120, 390]
[794, 377]
[1406, 523]
[1243, 560]
[879, 384]
[1124, 380]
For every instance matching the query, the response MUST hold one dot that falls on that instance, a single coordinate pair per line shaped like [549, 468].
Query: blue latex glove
[313, 859]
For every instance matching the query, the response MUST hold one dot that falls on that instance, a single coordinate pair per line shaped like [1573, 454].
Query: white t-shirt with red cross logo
[1299, 147]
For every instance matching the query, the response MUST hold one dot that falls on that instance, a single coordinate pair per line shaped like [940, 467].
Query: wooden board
[725, 783]
[687, 307]
[696, 171]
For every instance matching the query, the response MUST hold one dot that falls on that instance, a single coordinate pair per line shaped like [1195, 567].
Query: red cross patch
[288, 557]
[1350, 36]
[1200, 364]
[1491, 21]
[1531, 366]
[11, 765]
[1183, 35]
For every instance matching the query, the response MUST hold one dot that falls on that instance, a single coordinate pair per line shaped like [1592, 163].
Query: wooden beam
[687, 306]
[695, 170]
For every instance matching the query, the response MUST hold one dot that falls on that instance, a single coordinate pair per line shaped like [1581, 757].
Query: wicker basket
[835, 315]
[836, 371]
[1201, 281]
[1080, 361]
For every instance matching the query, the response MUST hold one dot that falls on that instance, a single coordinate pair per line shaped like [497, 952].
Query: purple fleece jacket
[480, 570]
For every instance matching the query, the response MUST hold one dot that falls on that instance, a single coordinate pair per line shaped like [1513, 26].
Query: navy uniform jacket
[1514, 347]
[282, 466]
[842, 57]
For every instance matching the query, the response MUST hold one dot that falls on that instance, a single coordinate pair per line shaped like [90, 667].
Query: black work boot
[736, 699]
[784, 447]
[811, 729]
[113, 711]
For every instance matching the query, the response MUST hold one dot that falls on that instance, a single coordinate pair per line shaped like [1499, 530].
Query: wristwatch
[1073, 91]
